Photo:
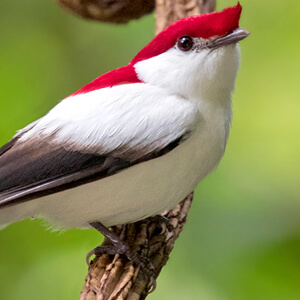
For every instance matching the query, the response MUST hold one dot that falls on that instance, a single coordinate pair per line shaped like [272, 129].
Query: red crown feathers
[204, 26]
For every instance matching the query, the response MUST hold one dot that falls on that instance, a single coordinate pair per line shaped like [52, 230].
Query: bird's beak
[231, 38]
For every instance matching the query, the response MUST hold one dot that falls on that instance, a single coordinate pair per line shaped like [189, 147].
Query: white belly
[135, 193]
[140, 191]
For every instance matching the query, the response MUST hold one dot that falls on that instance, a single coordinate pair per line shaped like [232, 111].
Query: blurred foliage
[242, 238]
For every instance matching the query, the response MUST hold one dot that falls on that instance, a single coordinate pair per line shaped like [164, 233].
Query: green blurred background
[242, 238]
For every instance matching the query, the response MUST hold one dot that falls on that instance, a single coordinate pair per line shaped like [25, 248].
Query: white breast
[142, 190]
[145, 189]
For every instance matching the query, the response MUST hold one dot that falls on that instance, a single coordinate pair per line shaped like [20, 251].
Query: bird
[136, 140]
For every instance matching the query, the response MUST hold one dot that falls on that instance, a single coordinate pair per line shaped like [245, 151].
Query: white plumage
[181, 94]
[131, 115]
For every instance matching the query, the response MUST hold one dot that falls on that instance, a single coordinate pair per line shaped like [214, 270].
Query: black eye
[185, 43]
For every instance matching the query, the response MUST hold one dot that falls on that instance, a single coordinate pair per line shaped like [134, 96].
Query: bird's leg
[114, 245]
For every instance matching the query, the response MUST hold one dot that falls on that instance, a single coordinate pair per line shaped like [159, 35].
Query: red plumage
[201, 26]
[118, 76]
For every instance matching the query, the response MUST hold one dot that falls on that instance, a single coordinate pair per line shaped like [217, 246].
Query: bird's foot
[114, 245]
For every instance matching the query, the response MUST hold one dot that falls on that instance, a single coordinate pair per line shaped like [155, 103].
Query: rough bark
[115, 277]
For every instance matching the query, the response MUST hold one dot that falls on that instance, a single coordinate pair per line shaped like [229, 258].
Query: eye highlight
[185, 43]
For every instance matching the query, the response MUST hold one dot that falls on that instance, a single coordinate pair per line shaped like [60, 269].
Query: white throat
[207, 75]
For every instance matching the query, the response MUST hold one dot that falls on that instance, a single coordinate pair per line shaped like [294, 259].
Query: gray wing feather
[29, 170]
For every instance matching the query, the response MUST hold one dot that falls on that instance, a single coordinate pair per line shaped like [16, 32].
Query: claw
[117, 246]
[88, 256]
[152, 285]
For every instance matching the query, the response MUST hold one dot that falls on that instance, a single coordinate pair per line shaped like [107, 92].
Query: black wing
[29, 170]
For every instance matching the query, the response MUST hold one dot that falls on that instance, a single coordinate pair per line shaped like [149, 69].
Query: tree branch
[122, 11]
[113, 11]
[115, 277]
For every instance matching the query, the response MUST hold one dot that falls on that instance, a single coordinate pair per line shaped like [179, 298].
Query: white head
[194, 57]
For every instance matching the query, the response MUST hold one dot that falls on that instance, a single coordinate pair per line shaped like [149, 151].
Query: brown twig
[113, 11]
[122, 11]
[115, 277]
